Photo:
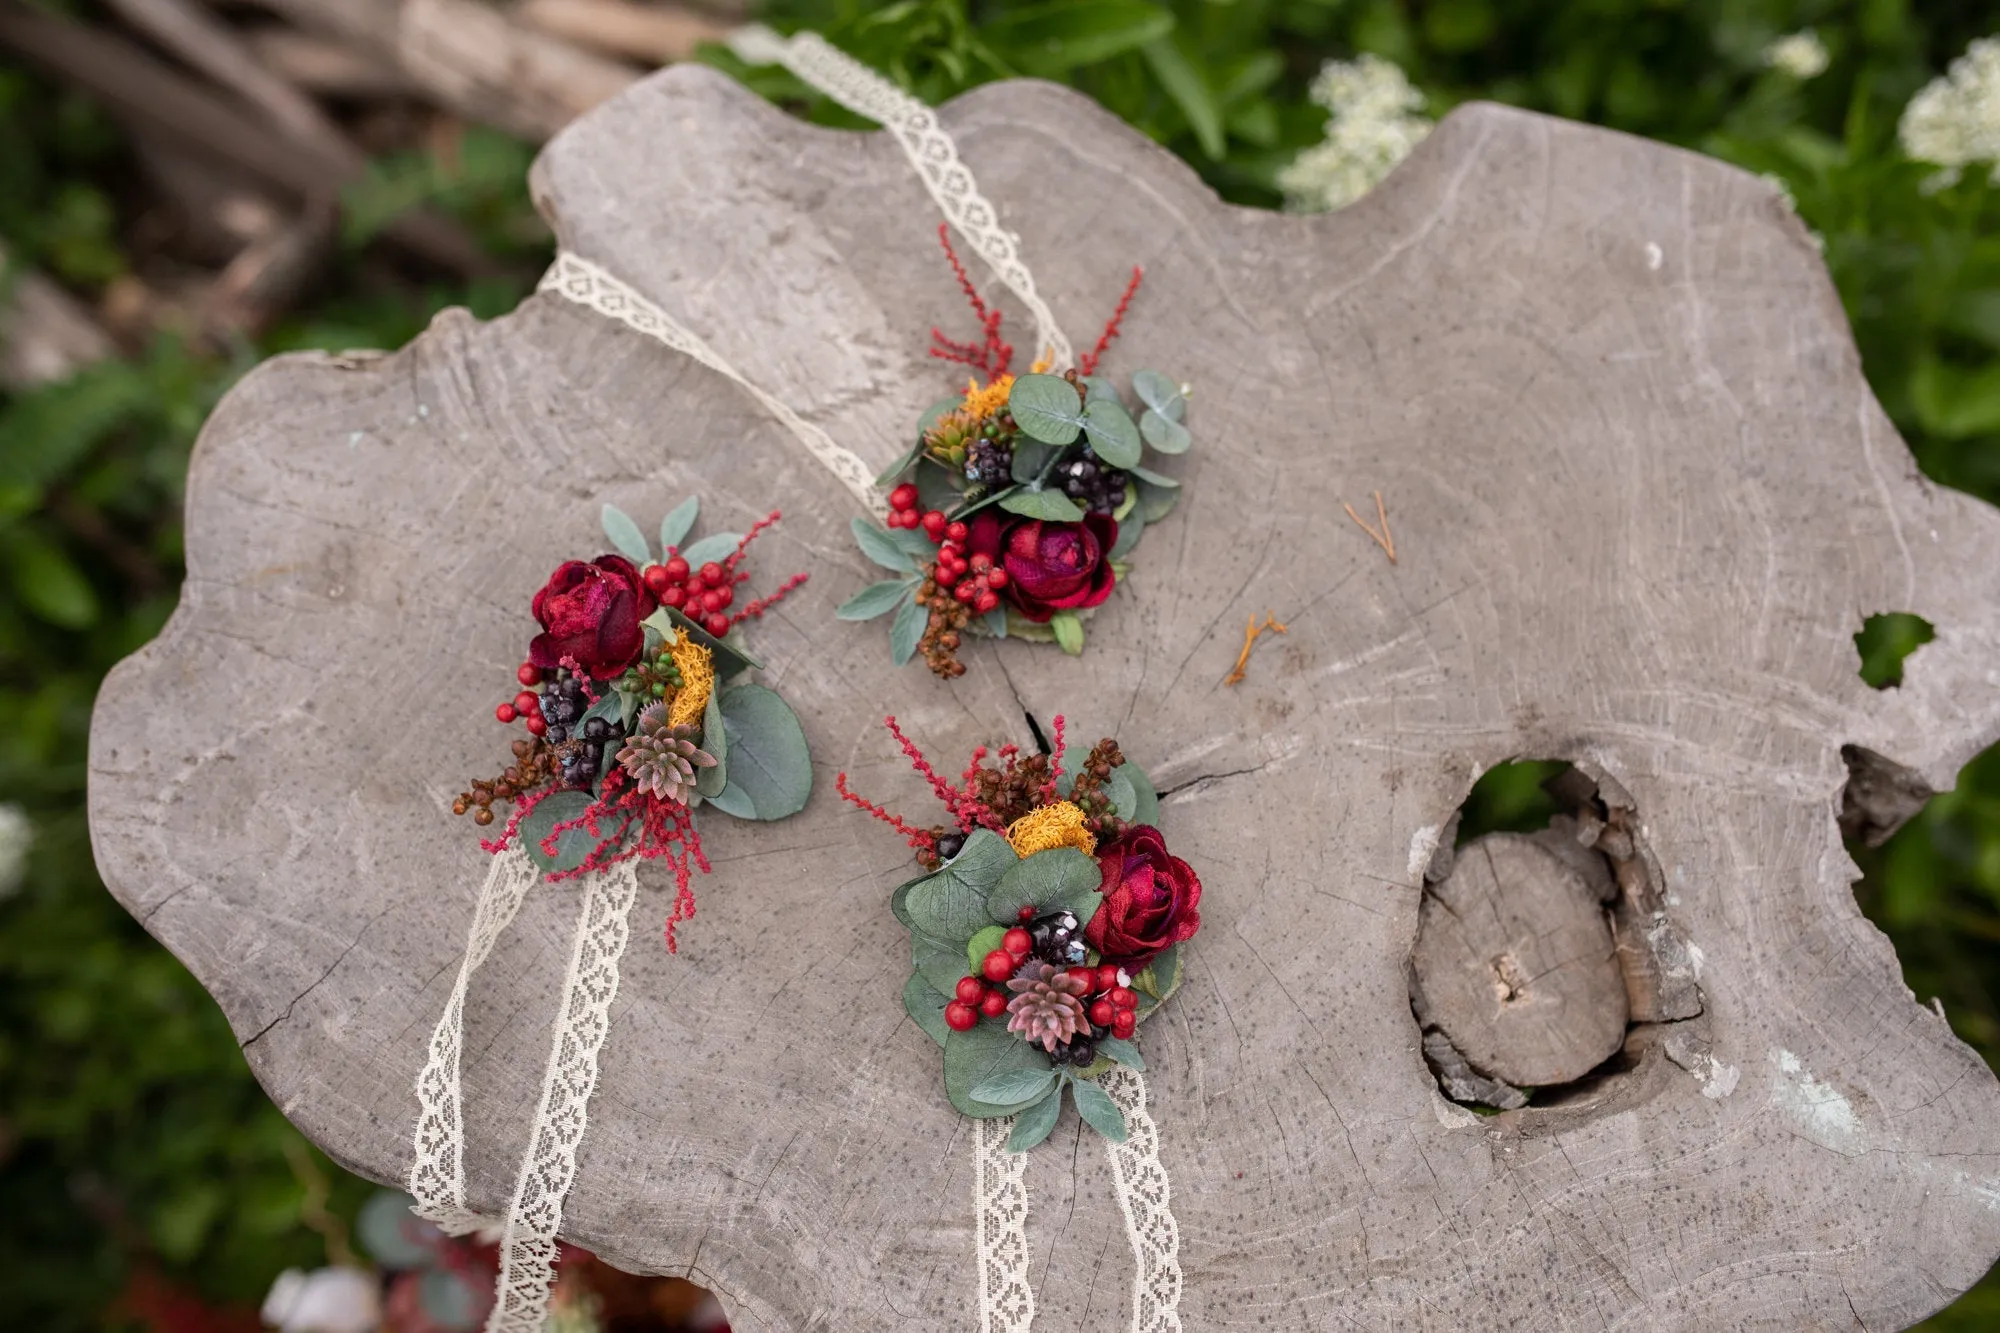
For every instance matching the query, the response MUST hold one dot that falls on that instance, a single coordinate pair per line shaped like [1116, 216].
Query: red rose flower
[1150, 899]
[1050, 567]
[592, 613]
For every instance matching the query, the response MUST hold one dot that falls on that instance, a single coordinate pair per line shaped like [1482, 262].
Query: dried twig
[326, 65]
[1250, 635]
[650, 34]
[1384, 538]
[476, 61]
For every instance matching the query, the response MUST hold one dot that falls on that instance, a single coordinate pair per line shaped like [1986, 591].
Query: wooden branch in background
[326, 65]
[649, 34]
[476, 61]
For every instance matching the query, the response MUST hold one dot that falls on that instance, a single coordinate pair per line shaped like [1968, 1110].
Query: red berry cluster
[980, 591]
[702, 595]
[1110, 1000]
[527, 704]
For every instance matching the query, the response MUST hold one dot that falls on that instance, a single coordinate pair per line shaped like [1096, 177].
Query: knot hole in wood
[1546, 964]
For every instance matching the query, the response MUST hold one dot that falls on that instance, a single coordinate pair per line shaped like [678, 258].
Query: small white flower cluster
[1801, 55]
[15, 835]
[326, 1300]
[1377, 119]
[1955, 120]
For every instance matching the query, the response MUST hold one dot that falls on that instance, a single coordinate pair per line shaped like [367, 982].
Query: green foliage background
[130, 1130]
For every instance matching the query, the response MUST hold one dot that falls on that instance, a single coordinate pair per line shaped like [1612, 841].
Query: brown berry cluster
[948, 618]
[1100, 815]
[536, 764]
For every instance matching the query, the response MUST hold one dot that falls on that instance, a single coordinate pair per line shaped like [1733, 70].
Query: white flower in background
[1801, 55]
[326, 1300]
[1377, 119]
[15, 835]
[1955, 120]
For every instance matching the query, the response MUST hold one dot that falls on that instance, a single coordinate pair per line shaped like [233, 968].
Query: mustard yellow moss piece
[1058, 825]
[982, 403]
[697, 668]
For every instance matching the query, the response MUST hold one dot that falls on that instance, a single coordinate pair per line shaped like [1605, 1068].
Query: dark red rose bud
[1150, 900]
[591, 612]
[1047, 567]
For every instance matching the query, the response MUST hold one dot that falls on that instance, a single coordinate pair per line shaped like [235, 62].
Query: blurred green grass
[130, 1130]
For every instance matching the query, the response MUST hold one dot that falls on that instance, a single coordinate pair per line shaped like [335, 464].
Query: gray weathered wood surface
[1641, 497]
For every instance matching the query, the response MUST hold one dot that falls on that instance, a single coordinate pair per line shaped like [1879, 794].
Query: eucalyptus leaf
[1030, 457]
[1035, 1124]
[732, 800]
[1124, 799]
[980, 1053]
[625, 535]
[934, 414]
[1169, 437]
[952, 903]
[1015, 1086]
[906, 631]
[983, 861]
[1067, 626]
[995, 622]
[1124, 1052]
[574, 844]
[1098, 386]
[877, 599]
[1046, 408]
[1160, 393]
[1094, 1104]
[938, 487]
[1147, 807]
[878, 545]
[925, 1003]
[1151, 477]
[715, 740]
[717, 546]
[1112, 433]
[942, 962]
[919, 547]
[900, 897]
[1156, 502]
[1130, 529]
[1050, 506]
[675, 527]
[893, 473]
[1060, 879]
[608, 706]
[1158, 980]
[768, 761]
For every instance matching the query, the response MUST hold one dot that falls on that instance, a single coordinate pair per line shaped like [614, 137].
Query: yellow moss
[981, 403]
[697, 668]
[1058, 825]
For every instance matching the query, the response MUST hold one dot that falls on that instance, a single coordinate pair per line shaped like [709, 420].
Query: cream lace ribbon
[437, 1179]
[930, 150]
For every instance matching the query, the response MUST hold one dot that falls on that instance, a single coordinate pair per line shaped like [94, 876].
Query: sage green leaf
[1124, 1052]
[995, 622]
[893, 473]
[1112, 432]
[985, 942]
[768, 761]
[1060, 879]
[1046, 408]
[942, 962]
[1031, 458]
[915, 544]
[1124, 798]
[952, 903]
[1158, 980]
[1015, 1086]
[924, 1003]
[900, 896]
[625, 535]
[1130, 529]
[1067, 626]
[608, 706]
[717, 546]
[714, 739]
[675, 527]
[877, 599]
[1098, 386]
[1169, 437]
[1094, 1104]
[983, 861]
[906, 631]
[1036, 1122]
[730, 659]
[980, 1053]
[1160, 393]
[1050, 506]
[1147, 808]
[876, 543]
[938, 487]
[1147, 474]
[572, 846]
[1156, 502]
[732, 800]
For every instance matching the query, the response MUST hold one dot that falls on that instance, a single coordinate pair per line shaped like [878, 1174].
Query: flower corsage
[1018, 508]
[1047, 925]
[631, 716]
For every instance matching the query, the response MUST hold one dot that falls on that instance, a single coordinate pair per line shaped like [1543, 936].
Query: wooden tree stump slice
[1641, 499]
[1516, 963]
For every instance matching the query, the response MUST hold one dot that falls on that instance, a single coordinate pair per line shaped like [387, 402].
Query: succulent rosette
[633, 712]
[1017, 509]
[1047, 925]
